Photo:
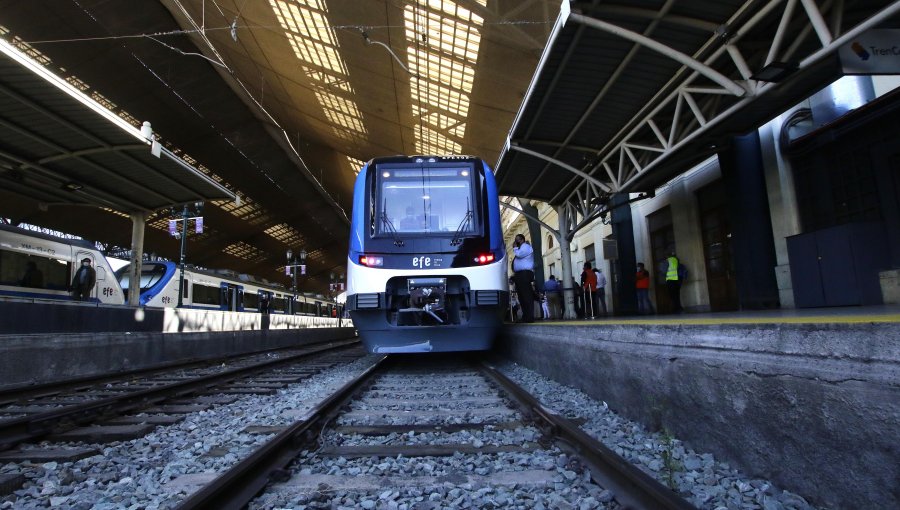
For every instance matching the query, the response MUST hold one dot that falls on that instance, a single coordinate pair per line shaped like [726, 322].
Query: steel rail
[632, 487]
[236, 487]
[12, 394]
[26, 428]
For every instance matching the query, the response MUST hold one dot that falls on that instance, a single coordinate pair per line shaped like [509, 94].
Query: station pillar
[753, 243]
[138, 222]
[625, 265]
[566, 259]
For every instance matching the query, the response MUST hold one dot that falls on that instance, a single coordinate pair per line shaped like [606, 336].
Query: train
[220, 290]
[426, 268]
[39, 266]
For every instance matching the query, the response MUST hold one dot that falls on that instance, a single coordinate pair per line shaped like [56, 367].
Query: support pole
[566, 259]
[138, 221]
[184, 218]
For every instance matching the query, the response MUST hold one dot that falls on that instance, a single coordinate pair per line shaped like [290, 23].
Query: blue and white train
[426, 269]
[219, 290]
[40, 267]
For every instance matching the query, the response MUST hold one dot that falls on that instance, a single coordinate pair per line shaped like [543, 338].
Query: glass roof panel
[306, 25]
[443, 40]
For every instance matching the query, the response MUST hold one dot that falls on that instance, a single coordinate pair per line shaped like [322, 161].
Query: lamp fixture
[775, 71]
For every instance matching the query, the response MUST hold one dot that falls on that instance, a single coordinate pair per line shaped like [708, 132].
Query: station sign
[876, 51]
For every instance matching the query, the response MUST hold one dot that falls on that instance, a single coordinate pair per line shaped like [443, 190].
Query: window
[552, 269]
[549, 241]
[150, 275]
[424, 200]
[204, 295]
[589, 255]
[47, 272]
[251, 300]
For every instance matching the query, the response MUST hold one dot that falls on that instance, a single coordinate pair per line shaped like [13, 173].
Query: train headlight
[487, 258]
[371, 261]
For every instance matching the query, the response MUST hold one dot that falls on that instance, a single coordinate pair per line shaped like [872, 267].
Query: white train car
[37, 266]
[219, 290]
[426, 269]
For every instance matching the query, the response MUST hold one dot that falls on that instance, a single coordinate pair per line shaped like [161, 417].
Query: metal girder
[696, 106]
[533, 218]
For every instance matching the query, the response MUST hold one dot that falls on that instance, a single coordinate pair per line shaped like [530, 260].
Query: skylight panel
[443, 39]
[310, 35]
[355, 165]
[432, 142]
[285, 233]
[245, 251]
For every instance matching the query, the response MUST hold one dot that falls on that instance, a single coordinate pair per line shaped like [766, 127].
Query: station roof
[630, 94]
[60, 147]
[281, 102]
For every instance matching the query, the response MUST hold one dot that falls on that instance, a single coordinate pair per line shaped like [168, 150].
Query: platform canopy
[60, 147]
[628, 95]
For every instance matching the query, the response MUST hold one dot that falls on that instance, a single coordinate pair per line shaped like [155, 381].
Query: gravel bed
[422, 418]
[569, 488]
[476, 438]
[133, 474]
[701, 479]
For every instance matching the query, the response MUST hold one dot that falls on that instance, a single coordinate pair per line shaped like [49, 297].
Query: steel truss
[712, 85]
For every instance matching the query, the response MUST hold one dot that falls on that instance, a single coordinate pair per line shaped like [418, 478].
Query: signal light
[371, 261]
[485, 259]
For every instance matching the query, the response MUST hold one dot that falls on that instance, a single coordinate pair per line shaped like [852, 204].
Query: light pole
[292, 266]
[184, 219]
[336, 286]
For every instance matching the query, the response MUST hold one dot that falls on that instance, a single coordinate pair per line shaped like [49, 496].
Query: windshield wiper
[463, 225]
[386, 222]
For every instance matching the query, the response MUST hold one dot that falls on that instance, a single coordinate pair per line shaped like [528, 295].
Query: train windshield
[151, 273]
[416, 200]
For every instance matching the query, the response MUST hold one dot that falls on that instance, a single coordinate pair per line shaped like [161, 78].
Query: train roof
[407, 159]
[81, 243]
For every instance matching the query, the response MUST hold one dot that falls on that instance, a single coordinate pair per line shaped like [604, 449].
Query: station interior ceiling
[282, 101]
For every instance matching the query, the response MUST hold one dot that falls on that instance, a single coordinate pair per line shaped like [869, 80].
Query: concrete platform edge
[813, 407]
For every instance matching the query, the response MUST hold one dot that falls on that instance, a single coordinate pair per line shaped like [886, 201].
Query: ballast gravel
[698, 477]
[136, 474]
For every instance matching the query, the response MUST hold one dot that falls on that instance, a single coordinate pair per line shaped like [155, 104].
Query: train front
[426, 269]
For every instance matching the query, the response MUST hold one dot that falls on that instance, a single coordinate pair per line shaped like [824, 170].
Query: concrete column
[565, 258]
[626, 264]
[751, 222]
[138, 221]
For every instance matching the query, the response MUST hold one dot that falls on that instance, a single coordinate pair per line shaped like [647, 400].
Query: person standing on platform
[552, 291]
[523, 275]
[589, 289]
[84, 280]
[601, 289]
[674, 281]
[642, 286]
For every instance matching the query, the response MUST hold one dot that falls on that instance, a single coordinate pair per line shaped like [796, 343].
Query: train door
[229, 297]
[717, 249]
[100, 272]
[662, 242]
[239, 302]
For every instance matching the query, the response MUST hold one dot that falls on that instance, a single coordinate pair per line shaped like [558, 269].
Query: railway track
[161, 396]
[428, 435]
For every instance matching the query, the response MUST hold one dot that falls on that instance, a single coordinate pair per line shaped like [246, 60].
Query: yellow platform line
[710, 321]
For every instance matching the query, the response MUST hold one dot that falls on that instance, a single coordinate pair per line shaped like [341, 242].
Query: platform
[808, 398]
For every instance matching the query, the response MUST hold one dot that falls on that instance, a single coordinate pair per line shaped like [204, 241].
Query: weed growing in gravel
[671, 465]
